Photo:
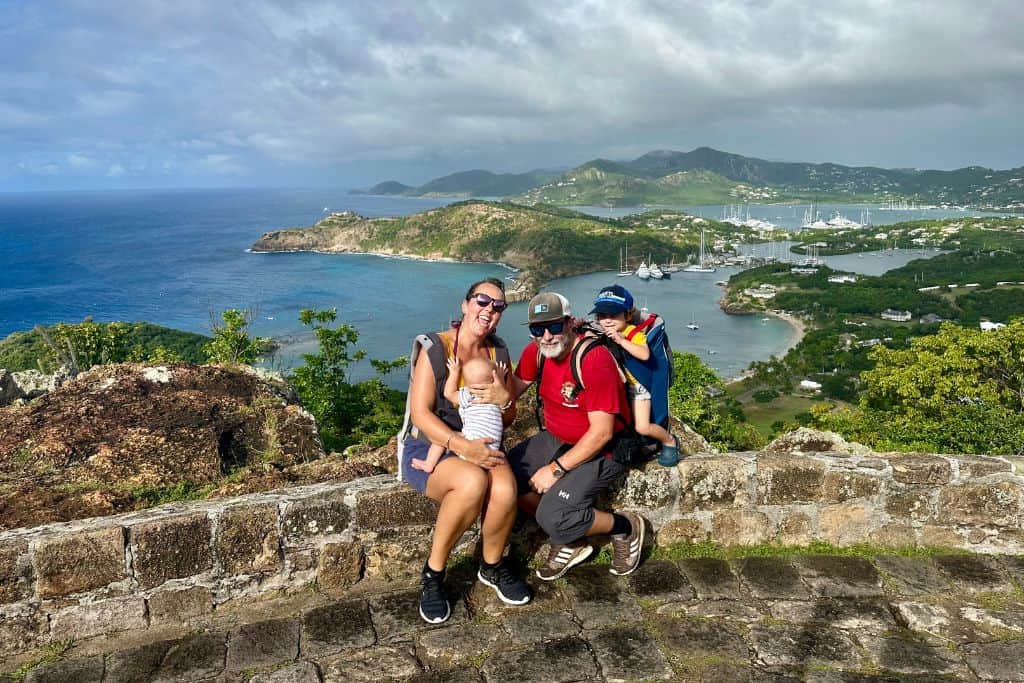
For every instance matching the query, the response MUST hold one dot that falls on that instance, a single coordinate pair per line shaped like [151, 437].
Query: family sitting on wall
[463, 392]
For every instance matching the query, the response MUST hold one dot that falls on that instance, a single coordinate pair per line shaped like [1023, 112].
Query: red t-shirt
[565, 418]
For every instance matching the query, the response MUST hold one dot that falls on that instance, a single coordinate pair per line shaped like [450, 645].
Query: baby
[478, 419]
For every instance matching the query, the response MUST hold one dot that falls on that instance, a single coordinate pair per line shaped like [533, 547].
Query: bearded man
[561, 470]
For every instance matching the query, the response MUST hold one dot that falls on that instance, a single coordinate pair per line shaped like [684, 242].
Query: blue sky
[194, 93]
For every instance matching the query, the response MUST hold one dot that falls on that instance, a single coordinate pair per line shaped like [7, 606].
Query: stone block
[79, 561]
[796, 528]
[802, 646]
[912, 576]
[96, 618]
[999, 661]
[977, 466]
[396, 615]
[905, 655]
[974, 573]
[15, 572]
[83, 670]
[397, 558]
[733, 610]
[858, 615]
[21, 628]
[552, 662]
[247, 540]
[919, 469]
[741, 527]
[180, 606]
[785, 479]
[301, 672]
[597, 598]
[919, 616]
[171, 548]
[651, 487]
[846, 523]
[681, 531]
[138, 663]
[998, 504]
[384, 663]
[840, 487]
[394, 507]
[335, 627]
[941, 537]
[340, 566]
[710, 483]
[445, 648]
[771, 578]
[533, 626]
[711, 578]
[629, 653]
[660, 580]
[912, 504]
[684, 637]
[895, 535]
[265, 643]
[193, 658]
[324, 514]
[840, 577]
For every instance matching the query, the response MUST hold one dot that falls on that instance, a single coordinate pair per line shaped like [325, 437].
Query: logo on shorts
[563, 494]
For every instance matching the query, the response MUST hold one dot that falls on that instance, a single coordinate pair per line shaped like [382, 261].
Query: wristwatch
[557, 469]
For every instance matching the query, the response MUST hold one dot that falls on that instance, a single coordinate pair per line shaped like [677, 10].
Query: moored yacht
[643, 272]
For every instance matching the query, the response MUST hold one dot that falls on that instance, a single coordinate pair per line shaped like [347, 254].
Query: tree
[79, 347]
[231, 341]
[346, 413]
[715, 419]
[957, 391]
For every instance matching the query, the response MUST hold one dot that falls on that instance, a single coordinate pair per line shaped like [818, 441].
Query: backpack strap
[420, 343]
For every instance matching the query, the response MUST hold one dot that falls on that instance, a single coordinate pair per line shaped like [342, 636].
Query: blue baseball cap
[613, 299]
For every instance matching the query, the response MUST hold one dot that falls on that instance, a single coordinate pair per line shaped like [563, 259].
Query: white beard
[554, 350]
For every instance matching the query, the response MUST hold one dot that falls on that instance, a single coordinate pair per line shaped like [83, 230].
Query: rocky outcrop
[28, 384]
[91, 445]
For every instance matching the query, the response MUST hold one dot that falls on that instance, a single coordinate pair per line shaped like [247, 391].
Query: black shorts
[566, 510]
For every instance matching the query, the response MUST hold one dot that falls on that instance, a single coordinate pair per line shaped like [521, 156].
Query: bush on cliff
[367, 412]
[719, 420]
[99, 342]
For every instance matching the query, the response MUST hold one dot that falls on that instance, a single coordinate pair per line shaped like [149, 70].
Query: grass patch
[782, 409]
[152, 496]
[682, 551]
[51, 653]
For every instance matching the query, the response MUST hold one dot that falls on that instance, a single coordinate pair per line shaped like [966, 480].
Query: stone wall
[180, 563]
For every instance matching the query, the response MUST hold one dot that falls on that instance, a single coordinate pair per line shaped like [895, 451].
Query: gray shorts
[637, 392]
[566, 510]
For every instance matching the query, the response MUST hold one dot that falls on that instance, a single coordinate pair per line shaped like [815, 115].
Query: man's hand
[543, 479]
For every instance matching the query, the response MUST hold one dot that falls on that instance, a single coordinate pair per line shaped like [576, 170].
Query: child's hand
[454, 367]
[614, 335]
[501, 372]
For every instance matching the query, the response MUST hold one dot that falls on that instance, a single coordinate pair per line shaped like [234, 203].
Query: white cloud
[228, 88]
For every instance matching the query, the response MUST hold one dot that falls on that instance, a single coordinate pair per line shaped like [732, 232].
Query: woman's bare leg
[499, 512]
[460, 488]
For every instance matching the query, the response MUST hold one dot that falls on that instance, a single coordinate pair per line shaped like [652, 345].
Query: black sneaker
[511, 590]
[434, 607]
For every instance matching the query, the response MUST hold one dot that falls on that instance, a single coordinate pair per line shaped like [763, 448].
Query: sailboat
[624, 268]
[701, 266]
[671, 266]
[693, 324]
[643, 272]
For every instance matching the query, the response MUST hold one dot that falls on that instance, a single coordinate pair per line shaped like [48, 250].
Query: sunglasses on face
[483, 301]
[556, 327]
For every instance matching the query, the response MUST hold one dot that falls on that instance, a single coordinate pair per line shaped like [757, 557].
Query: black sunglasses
[483, 301]
[555, 327]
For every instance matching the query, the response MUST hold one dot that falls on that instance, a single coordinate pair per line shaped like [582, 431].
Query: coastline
[799, 328]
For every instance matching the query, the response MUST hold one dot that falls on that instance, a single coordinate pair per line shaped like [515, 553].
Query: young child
[615, 313]
[478, 419]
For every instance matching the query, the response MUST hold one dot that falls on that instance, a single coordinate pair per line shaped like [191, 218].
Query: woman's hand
[491, 392]
[482, 455]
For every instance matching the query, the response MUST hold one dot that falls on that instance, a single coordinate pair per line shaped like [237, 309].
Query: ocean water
[178, 258]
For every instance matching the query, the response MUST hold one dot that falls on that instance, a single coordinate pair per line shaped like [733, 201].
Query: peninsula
[542, 242]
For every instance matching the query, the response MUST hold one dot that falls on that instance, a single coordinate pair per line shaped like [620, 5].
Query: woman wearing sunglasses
[471, 480]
